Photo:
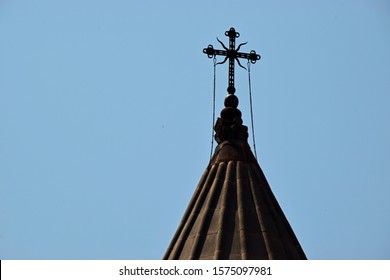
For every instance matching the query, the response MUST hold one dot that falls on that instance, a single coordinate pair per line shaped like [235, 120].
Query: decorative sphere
[231, 101]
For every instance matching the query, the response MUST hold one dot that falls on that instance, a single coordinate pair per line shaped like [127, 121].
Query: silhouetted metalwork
[232, 54]
[229, 125]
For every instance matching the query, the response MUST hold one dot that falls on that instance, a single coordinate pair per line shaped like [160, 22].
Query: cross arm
[210, 51]
[252, 56]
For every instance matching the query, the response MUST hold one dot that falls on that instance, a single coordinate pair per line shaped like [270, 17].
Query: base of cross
[231, 90]
[229, 126]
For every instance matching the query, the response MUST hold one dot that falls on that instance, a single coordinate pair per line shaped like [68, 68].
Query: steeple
[233, 213]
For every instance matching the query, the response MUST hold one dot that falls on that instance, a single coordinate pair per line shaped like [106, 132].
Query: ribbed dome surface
[233, 213]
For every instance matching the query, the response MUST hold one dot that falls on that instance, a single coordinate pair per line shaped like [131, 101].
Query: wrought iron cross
[232, 54]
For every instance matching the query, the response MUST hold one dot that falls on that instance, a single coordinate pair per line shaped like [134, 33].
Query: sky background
[106, 115]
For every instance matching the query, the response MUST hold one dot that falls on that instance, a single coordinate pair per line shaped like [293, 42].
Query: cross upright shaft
[232, 54]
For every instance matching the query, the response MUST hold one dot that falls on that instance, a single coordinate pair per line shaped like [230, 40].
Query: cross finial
[232, 54]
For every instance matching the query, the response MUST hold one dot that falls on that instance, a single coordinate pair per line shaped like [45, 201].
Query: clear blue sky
[106, 109]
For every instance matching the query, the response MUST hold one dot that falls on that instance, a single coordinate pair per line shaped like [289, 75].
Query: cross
[232, 54]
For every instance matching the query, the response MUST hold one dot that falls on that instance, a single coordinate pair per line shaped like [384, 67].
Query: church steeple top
[233, 213]
[229, 125]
